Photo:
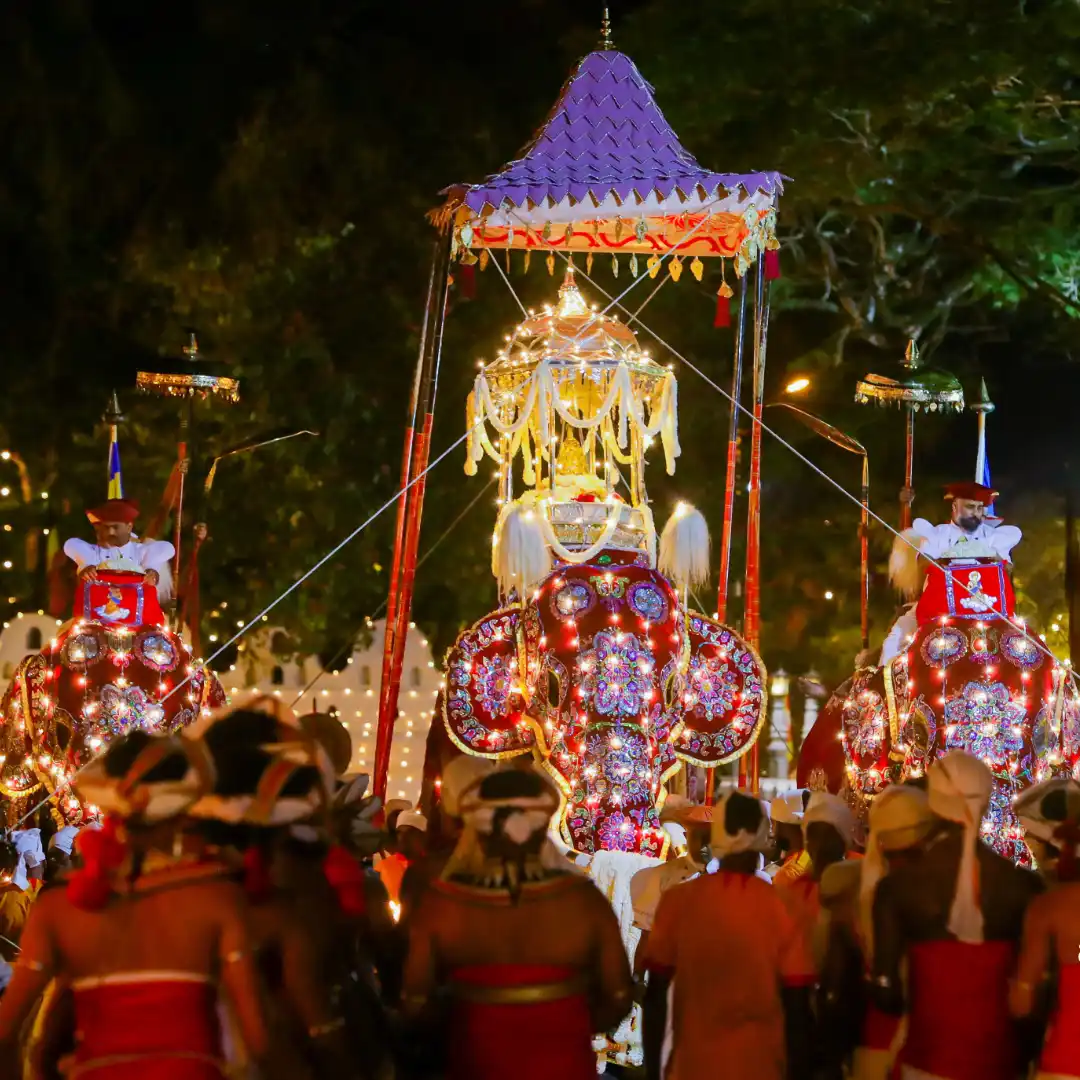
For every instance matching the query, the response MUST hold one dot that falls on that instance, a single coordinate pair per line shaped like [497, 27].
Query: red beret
[968, 489]
[124, 511]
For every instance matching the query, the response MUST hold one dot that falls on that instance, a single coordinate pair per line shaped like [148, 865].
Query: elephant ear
[484, 709]
[723, 698]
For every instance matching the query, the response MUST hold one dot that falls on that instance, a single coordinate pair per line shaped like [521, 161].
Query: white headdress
[724, 843]
[832, 810]
[960, 787]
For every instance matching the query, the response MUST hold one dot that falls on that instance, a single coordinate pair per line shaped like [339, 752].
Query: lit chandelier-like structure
[574, 397]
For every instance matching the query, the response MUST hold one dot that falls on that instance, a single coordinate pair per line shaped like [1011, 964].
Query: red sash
[959, 1026]
[1061, 1052]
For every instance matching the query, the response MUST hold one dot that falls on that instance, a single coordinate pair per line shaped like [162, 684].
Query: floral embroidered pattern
[986, 722]
[618, 674]
[944, 647]
[81, 650]
[647, 600]
[156, 651]
[1022, 651]
[574, 598]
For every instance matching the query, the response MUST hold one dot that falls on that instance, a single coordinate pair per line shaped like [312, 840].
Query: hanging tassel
[723, 305]
[467, 281]
[722, 318]
[346, 878]
[528, 259]
[684, 548]
[102, 852]
[588, 263]
[772, 265]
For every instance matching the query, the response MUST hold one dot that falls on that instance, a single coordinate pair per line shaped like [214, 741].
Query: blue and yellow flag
[116, 480]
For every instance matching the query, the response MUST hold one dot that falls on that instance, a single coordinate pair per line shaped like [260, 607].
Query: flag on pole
[116, 480]
[984, 479]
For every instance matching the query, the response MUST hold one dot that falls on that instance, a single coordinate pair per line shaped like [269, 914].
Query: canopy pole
[732, 466]
[752, 579]
[864, 553]
[415, 456]
[907, 496]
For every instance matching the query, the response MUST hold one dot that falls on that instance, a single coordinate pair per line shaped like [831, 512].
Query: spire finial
[911, 355]
[982, 404]
[112, 415]
[605, 31]
[191, 350]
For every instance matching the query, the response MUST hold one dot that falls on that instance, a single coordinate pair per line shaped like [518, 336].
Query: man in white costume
[117, 547]
[969, 534]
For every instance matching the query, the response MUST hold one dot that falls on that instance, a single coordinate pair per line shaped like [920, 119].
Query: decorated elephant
[612, 682]
[112, 668]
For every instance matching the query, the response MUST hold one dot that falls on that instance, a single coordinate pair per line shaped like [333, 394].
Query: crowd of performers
[239, 912]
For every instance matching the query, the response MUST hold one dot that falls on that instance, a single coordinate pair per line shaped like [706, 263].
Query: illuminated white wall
[23, 635]
[354, 692]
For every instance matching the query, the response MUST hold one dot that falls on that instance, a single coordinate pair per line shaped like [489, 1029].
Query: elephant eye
[553, 689]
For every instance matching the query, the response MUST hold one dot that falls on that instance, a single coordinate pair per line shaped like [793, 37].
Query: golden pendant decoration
[618, 229]
[528, 259]
[614, 265]
[634, 265]
[485, 256]
[725, 289]
[588, 263]
[641, 231]
[653, 265]
[467, 258]
[675, 268]
[697, 268]
[546, 232]
[551, 264]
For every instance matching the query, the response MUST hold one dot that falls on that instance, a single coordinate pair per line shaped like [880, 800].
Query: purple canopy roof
[606, 135]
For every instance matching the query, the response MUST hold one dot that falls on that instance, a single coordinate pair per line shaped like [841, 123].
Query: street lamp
[797, 386]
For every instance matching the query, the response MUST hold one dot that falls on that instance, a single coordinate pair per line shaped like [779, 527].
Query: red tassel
[772, 264]
[723, 311]
[102, 851]
[257, 883]
[466, 276]
[346, 878]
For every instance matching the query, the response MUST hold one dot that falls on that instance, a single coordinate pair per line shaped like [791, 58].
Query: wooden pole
[907, 496]
[864, 554]
[732, 468]
[415, 459]
[752, 579]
